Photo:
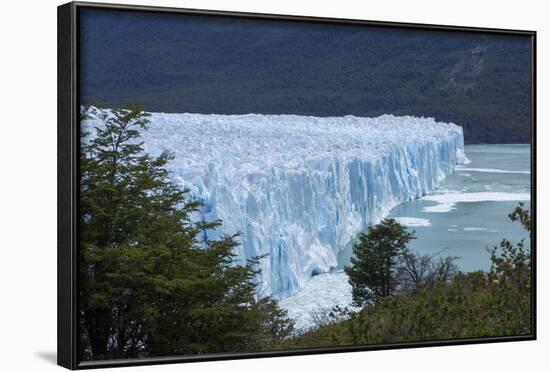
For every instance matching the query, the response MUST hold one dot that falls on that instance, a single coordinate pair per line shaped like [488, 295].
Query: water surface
[468, 212]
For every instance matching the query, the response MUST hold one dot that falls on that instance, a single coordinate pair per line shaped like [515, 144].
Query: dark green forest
[224, 65]
[150, 284]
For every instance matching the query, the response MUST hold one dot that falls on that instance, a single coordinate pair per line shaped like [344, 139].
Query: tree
[151, 284]
[511, 274]
[511, 263]
[372, 270]
[416, 271]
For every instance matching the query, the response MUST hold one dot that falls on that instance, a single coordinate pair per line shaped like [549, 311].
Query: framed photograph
[236, 185]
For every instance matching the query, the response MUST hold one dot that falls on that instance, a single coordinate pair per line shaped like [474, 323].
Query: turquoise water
[467, 214]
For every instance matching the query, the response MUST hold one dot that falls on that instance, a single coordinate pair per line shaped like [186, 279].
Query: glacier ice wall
[299, 188]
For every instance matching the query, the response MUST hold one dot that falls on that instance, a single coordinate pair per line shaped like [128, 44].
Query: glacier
[318, 297]
[299, 188]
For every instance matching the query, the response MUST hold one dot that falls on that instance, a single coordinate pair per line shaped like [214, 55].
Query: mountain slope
[222, 65]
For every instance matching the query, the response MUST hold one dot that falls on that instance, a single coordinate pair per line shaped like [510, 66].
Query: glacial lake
[468, 213]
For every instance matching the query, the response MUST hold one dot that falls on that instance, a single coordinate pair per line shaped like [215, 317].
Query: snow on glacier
[299, 188]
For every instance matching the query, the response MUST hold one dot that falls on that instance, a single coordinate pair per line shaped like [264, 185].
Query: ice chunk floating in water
[490, 170]
[446, 202]
[413, 221]
[299, 188]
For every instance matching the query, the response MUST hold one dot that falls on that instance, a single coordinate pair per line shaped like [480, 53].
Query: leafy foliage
[372, 270]
[150, 284]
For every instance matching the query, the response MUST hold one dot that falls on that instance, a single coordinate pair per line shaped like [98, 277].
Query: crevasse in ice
[299, 188]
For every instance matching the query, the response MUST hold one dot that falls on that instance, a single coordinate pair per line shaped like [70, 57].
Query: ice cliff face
[299, 188]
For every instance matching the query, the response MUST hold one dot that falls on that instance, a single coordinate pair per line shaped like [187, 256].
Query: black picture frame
[68, 190]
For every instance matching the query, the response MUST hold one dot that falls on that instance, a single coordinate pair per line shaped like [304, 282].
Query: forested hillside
[221, 65]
